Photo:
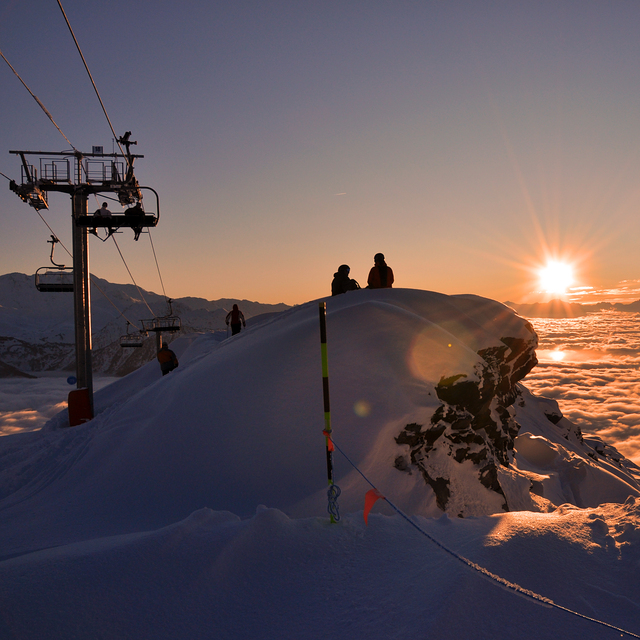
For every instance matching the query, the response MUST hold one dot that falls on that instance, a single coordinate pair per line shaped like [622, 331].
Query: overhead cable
[157, 265]
[35, 97]
[95, 88]
[131, 275]
[93, 278]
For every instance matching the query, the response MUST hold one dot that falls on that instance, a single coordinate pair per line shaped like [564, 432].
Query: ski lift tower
[81, 175]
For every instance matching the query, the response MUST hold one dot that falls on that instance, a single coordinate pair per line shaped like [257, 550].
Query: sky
[469, 142]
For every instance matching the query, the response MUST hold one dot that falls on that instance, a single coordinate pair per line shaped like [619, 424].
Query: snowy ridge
[171, 477]
[37, 330]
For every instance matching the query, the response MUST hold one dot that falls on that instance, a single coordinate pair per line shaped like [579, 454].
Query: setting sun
[556, 277]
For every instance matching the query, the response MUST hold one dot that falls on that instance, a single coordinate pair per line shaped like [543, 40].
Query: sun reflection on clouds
[557, 355]
[597, 381]
[624, 292]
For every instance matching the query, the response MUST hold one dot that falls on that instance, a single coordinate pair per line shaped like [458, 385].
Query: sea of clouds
[27, 403]
[590, 365]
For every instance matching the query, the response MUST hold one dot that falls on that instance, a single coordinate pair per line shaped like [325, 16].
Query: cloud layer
[28, 403]
[591, 366]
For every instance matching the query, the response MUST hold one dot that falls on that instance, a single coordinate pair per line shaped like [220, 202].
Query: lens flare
[362, 408]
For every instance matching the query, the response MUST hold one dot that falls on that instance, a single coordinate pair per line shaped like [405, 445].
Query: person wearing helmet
[342, 282]
[236, 318]
[167, 359]
[381, 275]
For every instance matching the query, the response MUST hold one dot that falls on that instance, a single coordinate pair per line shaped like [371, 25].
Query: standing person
[236, 318]
[381, 275]
[342, 282]
[167, 359]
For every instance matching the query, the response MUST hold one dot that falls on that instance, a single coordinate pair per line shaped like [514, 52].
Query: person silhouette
[342, 282]
[167, 359]
[381, 275]
[235, 317]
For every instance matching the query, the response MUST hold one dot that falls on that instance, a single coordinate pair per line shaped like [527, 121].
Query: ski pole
[334, 490]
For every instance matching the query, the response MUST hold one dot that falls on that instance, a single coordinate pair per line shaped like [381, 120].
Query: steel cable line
[93, 279]
[95, 88]
[131, 275]
[157, 265]
[48, 114]
[35, 97]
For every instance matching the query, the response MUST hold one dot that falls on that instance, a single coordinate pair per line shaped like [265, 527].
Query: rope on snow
[511, 587]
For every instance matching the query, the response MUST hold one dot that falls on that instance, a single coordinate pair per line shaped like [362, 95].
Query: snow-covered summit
[197, 501]
[425, 402]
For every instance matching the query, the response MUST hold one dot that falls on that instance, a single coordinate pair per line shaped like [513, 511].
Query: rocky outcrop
[472, 432]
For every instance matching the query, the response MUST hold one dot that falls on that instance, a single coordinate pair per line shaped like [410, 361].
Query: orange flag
[371, 497]
[330, 445]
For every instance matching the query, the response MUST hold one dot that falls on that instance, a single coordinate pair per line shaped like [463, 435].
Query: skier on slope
[167, 359]
[235, 317]
[381, 275]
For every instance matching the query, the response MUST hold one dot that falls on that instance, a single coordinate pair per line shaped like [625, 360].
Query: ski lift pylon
[58, 280]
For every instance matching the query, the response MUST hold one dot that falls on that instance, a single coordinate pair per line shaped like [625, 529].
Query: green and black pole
[334, 490]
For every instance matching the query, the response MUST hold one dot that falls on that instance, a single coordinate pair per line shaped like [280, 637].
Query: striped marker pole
[334, 490]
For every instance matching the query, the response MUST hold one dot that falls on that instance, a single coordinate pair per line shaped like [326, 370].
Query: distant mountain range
[37, 329]
[562, 309]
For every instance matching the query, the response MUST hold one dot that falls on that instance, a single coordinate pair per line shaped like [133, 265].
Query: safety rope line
[485, 573]
[35, 97]
[333, 493]
[95, 88]
[131, 276]
[157, 265]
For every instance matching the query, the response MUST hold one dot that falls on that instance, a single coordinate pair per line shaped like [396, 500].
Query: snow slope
[149, 521]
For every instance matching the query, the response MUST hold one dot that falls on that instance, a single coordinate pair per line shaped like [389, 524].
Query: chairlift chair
[163, 324]
[134, 217]
[58, 280]
[131, 339]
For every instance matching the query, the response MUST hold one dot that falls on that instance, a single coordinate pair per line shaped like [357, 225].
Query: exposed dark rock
[473, 425]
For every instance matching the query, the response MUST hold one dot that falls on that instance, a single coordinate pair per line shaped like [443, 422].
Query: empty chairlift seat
[131, 340]
[166, 324]
[163, 324]
[54, 280]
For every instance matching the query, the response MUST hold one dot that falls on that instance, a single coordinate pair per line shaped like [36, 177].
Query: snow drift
[195, 504]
